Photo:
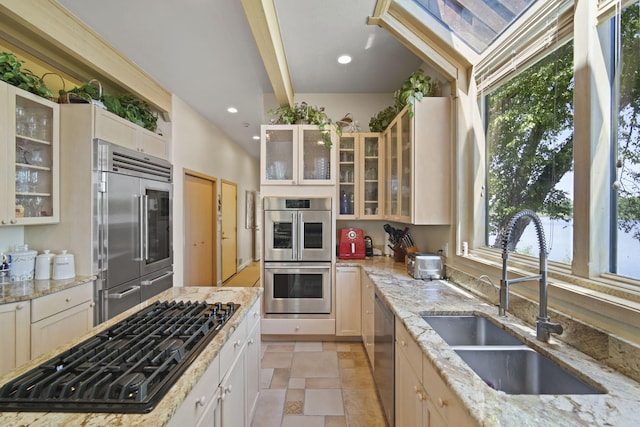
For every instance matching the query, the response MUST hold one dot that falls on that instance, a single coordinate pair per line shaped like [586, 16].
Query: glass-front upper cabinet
[360, 176]
[30, 167]
[405, 165]
[295, 155]
[348, 176]
[372, 154]
[392, 177]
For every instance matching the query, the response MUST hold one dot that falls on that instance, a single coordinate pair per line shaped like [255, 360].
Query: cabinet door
[15, 321]
[60, 328]
[348, 302]
[370, 178]
[278, 150]
[152, 144]
[232, 408]
[112, 128]
[315, 160]
[32, 192]
[392, 170]
[347, 176]
[368, 303]
[252, 369]
[404, 168]
[409, 396]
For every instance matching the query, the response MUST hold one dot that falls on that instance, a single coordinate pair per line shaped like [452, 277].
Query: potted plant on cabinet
[11, 71]
[302, 113]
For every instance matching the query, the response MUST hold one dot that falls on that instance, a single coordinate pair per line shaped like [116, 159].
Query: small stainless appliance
[297, 255]
[351, 245]
[127, 368]
[424, 266]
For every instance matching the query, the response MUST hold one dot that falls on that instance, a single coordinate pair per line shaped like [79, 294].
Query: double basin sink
[504, 361]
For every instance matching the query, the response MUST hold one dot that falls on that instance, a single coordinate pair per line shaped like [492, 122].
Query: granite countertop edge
[165, 409]
[31, 289]
[408, 298]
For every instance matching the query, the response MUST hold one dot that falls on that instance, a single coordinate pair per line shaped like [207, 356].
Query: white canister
[23, 263]
[43, 265]
[63, 266]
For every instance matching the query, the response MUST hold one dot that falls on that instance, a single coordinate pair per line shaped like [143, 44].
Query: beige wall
[198, 145]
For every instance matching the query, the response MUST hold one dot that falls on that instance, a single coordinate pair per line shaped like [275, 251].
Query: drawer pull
[201, 401]
[68, 299]
[19, 306]
[251, 341]
[236, 344]
[442, 402]
[403, 343]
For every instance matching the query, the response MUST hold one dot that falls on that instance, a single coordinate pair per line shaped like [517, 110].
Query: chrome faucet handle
[544, 329]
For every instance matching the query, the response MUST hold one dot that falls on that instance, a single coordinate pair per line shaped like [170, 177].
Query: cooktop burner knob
[231, 306]
[221, 315]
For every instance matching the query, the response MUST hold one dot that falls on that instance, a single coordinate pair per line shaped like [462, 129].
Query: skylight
[476, 22]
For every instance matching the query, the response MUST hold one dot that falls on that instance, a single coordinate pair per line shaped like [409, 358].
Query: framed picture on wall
[250, 221]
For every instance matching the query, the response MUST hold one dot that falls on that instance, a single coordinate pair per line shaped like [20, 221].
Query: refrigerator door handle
[145, 217]
[140, 228]
[121, 295]
[157, 279]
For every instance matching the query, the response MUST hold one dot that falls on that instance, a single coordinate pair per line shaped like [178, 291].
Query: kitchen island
[167, 407]
[409, 299]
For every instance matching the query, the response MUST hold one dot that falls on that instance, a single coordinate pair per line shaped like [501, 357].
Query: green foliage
[11, 71]
[417, 86]
[530, 137]
[628, 129]
[302, 113]
[380, 121]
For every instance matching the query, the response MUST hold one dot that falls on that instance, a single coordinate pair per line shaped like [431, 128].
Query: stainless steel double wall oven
[297, 255]
[132, 227]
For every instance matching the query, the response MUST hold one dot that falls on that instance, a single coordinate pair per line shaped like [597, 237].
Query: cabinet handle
[68, 299]
[14, 221]
[442, 402]
[19, 306]
[256, 314]
[3, 222]
[227, 390]
[201, 401]
[251, 341]
[92, 304]
[403, 343]
[236, 344]
[297, 328]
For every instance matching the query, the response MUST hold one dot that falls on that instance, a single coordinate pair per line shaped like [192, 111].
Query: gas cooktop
[127, 368]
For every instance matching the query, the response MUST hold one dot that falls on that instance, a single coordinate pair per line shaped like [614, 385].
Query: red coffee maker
[351, 244]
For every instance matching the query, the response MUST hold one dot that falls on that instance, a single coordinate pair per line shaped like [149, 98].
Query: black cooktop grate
[127, 368]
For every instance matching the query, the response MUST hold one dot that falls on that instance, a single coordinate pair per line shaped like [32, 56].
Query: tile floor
[316, 384]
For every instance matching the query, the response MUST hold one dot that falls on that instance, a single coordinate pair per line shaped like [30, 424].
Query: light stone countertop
[165, 409]
[31, 289]
[408, 298]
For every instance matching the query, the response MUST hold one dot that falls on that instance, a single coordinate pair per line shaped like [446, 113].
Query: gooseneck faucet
[544, 326]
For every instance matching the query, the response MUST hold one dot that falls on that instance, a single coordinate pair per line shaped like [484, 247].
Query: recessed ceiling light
[256, 137]
[344, 59]
[232, 109]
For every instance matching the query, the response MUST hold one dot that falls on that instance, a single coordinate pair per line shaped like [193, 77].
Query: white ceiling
[204, 52]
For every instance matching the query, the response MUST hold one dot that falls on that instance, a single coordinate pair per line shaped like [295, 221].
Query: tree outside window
[530, 153]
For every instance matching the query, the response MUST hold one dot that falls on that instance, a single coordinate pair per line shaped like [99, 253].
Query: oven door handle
[121, 295]
[295, 241]
[157, 279]
[300, 244]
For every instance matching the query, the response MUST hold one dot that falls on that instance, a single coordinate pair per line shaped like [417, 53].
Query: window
[626, 226]
[529, 138]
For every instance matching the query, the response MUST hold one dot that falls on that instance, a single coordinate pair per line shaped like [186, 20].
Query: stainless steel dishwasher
[383, 370]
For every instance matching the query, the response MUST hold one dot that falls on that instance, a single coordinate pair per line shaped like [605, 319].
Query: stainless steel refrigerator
[133, 220]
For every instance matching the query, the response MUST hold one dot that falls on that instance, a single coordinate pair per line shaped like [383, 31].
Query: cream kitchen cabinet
[227, 393]
[368, 320]
[61, 316]
[14, 335]
[418, 164]
[113, 128]
[348, 302]
[296, 155]
[29, 164]
[360, 161]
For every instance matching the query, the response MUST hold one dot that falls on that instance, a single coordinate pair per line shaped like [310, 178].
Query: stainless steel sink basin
[522, 371]
[470, 330]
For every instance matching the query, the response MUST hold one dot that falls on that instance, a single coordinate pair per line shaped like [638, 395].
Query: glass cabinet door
[392, 176]
[372, 174]
[405, 162]
[35, 159]
[316, 157]
[347, 178]
[278, 152]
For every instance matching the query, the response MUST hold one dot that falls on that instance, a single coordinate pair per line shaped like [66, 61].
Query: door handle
[121, 295]
[157, 279]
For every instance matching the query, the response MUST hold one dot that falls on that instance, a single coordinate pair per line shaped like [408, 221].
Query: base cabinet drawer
[60, 328]
[201, 402]
[299, 326]
[56, 302]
